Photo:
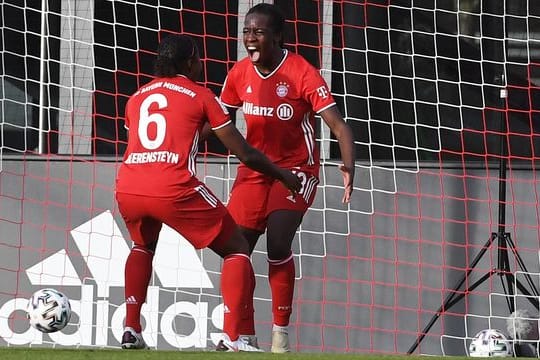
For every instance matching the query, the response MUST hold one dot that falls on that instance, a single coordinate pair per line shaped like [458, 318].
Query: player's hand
[291, 181]
[347, 183]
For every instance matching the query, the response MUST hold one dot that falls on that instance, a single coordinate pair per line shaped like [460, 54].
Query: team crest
[282, 89]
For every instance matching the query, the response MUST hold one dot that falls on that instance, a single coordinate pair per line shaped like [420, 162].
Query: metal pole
[42, 77]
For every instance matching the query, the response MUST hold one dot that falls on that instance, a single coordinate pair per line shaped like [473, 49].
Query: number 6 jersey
[164, 119]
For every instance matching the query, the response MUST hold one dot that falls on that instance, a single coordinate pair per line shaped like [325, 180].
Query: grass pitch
[10, 353]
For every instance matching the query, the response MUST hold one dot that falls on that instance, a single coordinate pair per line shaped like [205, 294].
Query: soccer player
[279, 93]
[157, 184]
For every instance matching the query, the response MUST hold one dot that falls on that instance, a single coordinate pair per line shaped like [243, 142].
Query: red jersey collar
[285, 54]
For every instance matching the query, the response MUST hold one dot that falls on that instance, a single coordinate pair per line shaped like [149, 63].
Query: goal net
[439, 241]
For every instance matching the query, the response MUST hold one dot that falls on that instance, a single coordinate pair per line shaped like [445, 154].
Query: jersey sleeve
[126, 115]
[229, 95]
[216, 113]
[316, 91]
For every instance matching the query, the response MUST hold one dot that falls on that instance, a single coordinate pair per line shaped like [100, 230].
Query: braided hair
[172, 55]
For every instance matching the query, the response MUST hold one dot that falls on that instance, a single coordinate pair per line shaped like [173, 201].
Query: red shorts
[200, 218]
[251, 203]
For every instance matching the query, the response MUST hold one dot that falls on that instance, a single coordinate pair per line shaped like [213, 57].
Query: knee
[236, 244]
[278, 252]
[150, 248]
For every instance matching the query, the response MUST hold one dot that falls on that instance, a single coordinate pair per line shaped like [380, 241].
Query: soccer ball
[48, 310]
[490, 342]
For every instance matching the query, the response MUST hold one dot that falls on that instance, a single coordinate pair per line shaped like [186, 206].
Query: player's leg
[247, 206]
[252, 237]
[229, 251]
[144, 233]
[137, 274]
[284, 215]
[204, 222]
[237, 287]
[281, 229]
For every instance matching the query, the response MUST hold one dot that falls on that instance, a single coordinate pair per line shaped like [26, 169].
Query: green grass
[10, 353]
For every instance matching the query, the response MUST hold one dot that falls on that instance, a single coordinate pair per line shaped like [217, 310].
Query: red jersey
[279, 108]
[164, 119]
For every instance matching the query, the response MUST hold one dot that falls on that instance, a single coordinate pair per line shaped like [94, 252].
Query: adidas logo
[249, 90]
[105, 251]
[101, 313]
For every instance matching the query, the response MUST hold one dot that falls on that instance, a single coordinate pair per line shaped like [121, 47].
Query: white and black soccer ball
[48, 310]
[490, 343]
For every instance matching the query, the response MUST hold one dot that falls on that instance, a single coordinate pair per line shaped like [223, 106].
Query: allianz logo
[252, 109]
[283, 112]
[104, 250]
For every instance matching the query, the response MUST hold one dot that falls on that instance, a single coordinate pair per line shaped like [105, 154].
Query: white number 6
[145, 119]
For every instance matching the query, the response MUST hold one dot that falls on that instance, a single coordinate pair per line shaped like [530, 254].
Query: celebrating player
[280, 92]
[157, 185]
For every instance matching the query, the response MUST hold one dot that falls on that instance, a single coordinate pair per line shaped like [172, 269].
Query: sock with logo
[281, 277]
[237, 287]
[138, 272]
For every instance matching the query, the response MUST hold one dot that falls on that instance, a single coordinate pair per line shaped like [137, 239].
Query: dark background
[410, 75]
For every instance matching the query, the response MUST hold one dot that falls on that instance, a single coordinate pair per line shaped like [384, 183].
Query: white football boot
[280, 342]
[245, 343]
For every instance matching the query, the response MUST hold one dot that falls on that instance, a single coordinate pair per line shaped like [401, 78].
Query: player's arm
[343, 133]
[318, 95]
[253, 158]
[207, 131]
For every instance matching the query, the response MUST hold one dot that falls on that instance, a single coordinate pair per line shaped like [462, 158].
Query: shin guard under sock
[281, 275]
[138, 271]
[237, 287]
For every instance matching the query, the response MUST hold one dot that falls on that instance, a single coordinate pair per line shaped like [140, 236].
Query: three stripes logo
[104, 252]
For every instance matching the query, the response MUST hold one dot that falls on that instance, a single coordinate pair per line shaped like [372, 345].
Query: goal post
[420, 84]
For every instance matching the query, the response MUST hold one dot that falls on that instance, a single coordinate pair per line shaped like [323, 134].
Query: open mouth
[254, 53]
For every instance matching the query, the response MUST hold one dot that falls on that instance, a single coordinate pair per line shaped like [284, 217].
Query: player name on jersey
[152, 157]
[167, 85]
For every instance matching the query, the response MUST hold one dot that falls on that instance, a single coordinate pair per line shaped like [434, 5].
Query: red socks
[237, 287]
[138, 272]
[281, 275]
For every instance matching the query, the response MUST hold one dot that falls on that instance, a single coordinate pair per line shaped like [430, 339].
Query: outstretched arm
[343, 133]
[253, 158]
